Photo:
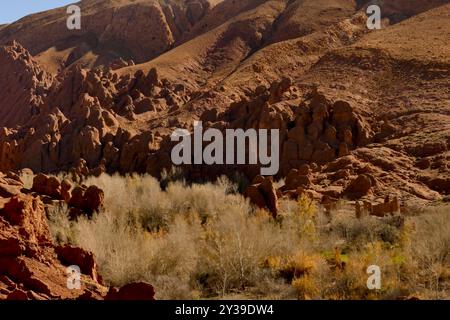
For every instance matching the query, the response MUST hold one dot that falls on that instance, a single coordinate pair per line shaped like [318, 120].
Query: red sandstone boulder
[28, 213]
[66, 187]
[263, 194]
[28, 267]
[7, 190]
[298, 178]
[255, 196]
[33, 268]
[17, 295]
[47, 185]
[359, 187]
[132, 292]
[87, 199]
[69, 255]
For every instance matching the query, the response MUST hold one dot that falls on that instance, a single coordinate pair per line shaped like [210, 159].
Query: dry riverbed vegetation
[207, 242]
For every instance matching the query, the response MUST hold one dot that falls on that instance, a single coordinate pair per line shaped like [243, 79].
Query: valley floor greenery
[205, 241]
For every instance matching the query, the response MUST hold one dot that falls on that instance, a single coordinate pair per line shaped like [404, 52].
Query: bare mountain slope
[142, 30]
[348, 101]
[138, 30]
[20, 96]
[398, 79]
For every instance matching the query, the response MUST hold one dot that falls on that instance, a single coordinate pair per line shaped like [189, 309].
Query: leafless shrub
[207, 241]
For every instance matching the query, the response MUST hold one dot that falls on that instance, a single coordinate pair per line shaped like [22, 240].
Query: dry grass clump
[206, 241]
[142, 197]
[428, 244]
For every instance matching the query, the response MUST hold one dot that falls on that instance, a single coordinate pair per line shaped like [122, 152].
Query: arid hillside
[139, 30]
[364, 124]
[348, 101]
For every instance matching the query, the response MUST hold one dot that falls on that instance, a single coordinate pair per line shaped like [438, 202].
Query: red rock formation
[46, 185]
[263, 193]
[137, 292]
[87, 199]
[33, 268]
[106, 31]
[29, 88]
[97, 120]
[389, 207]
[360, 186]
[28, 262]
[359, 115]
[69, 255]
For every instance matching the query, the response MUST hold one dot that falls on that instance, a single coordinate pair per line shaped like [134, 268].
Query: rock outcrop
[24, 85]
[86, 200]
[118, 116]
[29, 265]
[107, 32]
[32, 267]
[263, 193]
[69, 255]
[388, 207]
[133, 292]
